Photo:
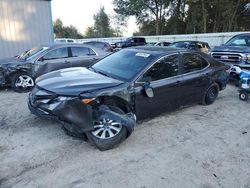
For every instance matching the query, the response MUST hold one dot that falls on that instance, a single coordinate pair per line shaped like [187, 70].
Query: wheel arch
[116, 101]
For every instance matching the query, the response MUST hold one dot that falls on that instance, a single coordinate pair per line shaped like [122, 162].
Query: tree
[119, 24]
[90, 32]
[186, 16]
[58, 28]
[102, 24]
[144, 10]
[62, 31]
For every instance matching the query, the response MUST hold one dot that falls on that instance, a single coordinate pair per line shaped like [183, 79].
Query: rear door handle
[178, 82]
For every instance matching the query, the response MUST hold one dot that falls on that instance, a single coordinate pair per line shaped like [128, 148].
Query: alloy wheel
[106, 129]
[24, 81]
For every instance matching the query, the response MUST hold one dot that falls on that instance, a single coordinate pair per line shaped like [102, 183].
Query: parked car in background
[103, 101]
[131, 41]
[151, 43]
[64, 40]
[101, 45]
[235, 52]
[20, 72]
[191, 45]
[162, 43]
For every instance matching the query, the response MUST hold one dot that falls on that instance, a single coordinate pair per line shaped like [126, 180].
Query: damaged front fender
[76, 113]
[79, 117]
[7, 70]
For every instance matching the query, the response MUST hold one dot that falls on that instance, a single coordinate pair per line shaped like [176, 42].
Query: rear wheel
[211, 94]
[108, 133]
[22, 82]
[243, 96]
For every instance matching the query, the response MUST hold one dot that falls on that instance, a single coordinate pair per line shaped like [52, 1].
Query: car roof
[160, 50]
[190, 41]
[94, 41]
[55, 45]
[243, 34]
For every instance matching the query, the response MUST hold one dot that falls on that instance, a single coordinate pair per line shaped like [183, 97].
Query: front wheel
[22, 82]
[108, 133]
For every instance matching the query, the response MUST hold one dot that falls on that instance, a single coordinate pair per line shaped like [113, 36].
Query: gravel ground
[200, 146]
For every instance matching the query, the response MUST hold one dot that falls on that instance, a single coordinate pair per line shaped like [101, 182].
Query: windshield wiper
[100, 72]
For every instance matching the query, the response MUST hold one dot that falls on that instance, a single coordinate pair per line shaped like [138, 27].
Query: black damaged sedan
[102, 103]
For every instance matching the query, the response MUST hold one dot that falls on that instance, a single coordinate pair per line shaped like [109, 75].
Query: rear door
[82, 56]
[195, 74]
[165, 81]
[53, 60]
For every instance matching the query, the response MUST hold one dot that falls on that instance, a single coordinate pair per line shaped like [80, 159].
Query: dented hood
[74, 81]
[9, 61]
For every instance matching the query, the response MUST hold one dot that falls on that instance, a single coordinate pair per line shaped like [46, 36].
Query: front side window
[193, 62]
[80, 51]
[164, 68]
[56, 54]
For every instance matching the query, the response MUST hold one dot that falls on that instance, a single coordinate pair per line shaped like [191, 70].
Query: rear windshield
[125, 64]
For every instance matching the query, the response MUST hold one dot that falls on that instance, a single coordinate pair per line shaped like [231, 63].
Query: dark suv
[131, 41]
[235, 52]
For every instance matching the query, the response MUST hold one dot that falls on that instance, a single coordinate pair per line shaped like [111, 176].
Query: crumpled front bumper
[71, 111]
[77, 114]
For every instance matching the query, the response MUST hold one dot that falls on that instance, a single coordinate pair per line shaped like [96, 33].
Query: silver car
[19, 72]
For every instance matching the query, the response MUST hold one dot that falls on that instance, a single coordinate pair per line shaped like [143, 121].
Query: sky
[79, 13]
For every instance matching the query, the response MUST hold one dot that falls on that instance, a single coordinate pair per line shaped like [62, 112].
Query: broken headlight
[60, 99]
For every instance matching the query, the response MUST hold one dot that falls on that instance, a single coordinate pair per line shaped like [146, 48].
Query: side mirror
[41, 59]
[148, 90]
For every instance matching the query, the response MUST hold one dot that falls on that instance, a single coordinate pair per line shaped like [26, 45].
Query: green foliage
[145, 11]
[101, 27]
[186, 16]
[62, 31]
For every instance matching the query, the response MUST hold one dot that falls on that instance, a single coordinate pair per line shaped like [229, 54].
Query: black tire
[73, 132]
[243, 96]
[20, 87]
[109, 143]
[211, 94]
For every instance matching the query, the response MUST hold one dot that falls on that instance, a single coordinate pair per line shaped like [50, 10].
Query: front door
[54, 60]
[163, 77]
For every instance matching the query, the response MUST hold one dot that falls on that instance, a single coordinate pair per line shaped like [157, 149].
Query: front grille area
[2, 80]
[38, 96]
[233, 58]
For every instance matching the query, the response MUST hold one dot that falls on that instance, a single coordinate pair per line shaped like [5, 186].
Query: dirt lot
[200, 146]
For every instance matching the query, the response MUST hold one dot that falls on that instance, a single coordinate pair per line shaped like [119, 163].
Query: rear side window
[164, 68]
[81, 51]
[56, 54]
[193, 62]
[142, 40]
